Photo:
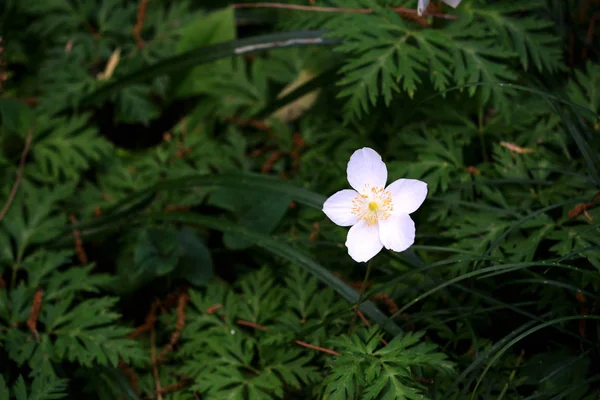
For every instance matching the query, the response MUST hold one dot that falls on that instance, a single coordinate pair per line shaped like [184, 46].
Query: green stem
[360, 296]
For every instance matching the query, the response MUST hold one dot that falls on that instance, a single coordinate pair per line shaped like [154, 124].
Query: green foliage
[367, 373]
[226, 367]
[65, 149]
[81, 37]
[34, 219]
[41, 389]
[159, 252]
[74, 329]
[16, 117]
[393, 55]
[527, 35]
[213, 28]
[582, 88]
[164, 167]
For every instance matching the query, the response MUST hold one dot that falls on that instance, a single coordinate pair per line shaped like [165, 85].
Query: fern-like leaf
[65, 148]
[42, 388]
[528, 35]
[364, 372]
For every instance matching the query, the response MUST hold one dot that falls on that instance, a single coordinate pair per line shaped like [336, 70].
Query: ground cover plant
[165, 166]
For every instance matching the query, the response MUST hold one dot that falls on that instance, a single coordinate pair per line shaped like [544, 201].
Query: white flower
[378, 214]
[422, 6]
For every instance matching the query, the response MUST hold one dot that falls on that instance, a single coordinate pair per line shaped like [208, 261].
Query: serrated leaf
[385, 373]
[65, 148]
[528, 36]
[281, 249]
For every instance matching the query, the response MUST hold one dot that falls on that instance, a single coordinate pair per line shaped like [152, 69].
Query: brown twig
[213, 309]
[130, 374]
[35, 312]
[260, 151]
[307, 345]
[2, 283]
[137, 29]
[155, 363]
[367, 323]
[13, 191]
[322, 349]
[268, 165]
[181, 303]
[176, 386]
[79, 249]
[251, 325]
[400, 10]
[583, 207]
[298, 145]
[148, 323]
[391, 304]
[315, 232]
[473, 170]
[423, 380]
[254, 123]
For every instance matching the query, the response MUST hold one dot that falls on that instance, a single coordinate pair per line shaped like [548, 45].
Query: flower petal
[363, 242]
[407, 195]
[452, 3]
[422, 6]
[366, 168]
[339, 207]
[397, 233]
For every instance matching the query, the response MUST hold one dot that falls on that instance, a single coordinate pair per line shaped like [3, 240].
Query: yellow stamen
[374, 206]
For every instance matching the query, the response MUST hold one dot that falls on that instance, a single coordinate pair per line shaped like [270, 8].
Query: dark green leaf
[157, 251]
[195, 263]
[16, 116]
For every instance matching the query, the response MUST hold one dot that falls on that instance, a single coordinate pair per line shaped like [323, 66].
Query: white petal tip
[363, 242]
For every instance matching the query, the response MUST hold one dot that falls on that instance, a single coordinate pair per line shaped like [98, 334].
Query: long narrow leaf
[496, 268]
[249, 182]
[591, 158]
[525, 334]
[283, 250]
[211, 53]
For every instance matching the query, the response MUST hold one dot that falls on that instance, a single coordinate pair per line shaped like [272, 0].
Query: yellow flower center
[372, 204]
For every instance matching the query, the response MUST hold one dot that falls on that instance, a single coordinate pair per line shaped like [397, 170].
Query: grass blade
[211, 53]
[252, 182]
[496, 268]
[518, 310]
[591, 159]
[283, 250]
[525, 334]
